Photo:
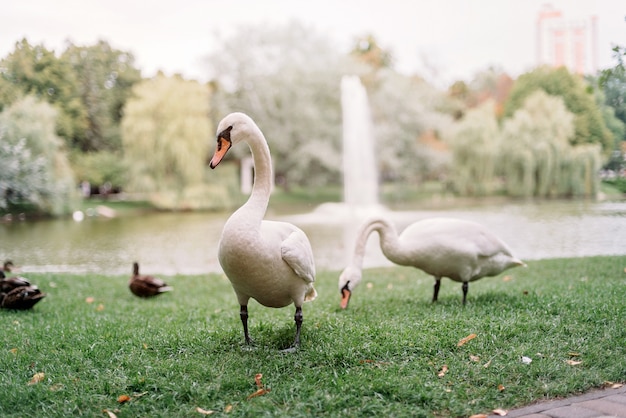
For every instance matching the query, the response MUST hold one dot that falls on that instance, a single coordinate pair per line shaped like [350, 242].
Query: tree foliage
[475, 146]
[537, 154]
[35, 169]
[105, 77]
[613, 83]
[165, 134]
[34, 70]
[589, 127]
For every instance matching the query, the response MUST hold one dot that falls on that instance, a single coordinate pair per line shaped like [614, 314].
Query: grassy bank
[391, 353]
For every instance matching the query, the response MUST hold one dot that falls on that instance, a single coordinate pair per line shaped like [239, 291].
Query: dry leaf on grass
[479, 416]
[500, 412]
[109, 413]
[123, 398]
[465, 340]
[13, 350]
[259, 384]
[573, 362]
[90, 299]
[204, 411]
[37, 377]
[487, 364]
[501, 388]
[259, 392]
[474, 358]
[100, 307]
[443, 371]
[228, 408]
[526, 360]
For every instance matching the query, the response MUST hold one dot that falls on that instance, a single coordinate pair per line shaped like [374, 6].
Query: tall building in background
[569, 43]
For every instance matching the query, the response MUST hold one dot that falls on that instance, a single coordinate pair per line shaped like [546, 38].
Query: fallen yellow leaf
[487, 364]
[228, 408]
[100, 307]
[479, 416]
[466, 339]
[204, 411]
[37, 377]
[616, 385]
[474, 358]
[501, 388]
[500, 412]
[13, 350]
[443, 371]
[573, 362]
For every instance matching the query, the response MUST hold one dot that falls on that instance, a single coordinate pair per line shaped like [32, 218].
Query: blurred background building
[567, 42]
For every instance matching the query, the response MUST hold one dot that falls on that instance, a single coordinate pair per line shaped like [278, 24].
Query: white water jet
[360, 173]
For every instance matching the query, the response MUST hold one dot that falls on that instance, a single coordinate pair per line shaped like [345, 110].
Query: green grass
[380, 357]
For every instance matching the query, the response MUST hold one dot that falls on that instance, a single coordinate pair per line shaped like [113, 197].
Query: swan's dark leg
[243, 314]
[465, 287]
[298, 317]
[437, 286]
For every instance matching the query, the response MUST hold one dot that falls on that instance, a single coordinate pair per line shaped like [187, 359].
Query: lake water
[186, 243]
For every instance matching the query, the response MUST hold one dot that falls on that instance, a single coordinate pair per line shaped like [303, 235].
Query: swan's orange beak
[223, 145]
[345, 297]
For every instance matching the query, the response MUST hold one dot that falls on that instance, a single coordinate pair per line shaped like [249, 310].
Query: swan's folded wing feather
[296, 251]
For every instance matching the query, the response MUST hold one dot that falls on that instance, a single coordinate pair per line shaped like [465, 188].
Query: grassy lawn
[391, 353]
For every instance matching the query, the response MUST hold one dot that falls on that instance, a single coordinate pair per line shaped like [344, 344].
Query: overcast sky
[456, 37]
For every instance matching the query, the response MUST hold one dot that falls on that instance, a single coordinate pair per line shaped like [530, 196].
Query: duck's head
[8, 265]
[234, 128]
[348, 280]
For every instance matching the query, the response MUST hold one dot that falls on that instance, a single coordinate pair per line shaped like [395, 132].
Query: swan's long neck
[388, 241]
[257, 203]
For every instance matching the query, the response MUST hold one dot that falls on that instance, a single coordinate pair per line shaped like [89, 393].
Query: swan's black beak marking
[223, 145]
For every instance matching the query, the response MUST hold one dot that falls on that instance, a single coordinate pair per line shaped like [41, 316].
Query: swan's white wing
[296, 251]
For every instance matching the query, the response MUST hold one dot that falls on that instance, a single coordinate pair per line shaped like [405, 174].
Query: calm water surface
[186, 243]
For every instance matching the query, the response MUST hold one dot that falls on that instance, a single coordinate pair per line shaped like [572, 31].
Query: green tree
[35, 168]
[34, 70]
[475, 145]
[537, 155]
[589, 125]
[165, 135]
[612, 81]
[105, 77]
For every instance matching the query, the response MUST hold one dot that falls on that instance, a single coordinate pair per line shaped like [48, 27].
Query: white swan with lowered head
[271, 262]
[461, 250]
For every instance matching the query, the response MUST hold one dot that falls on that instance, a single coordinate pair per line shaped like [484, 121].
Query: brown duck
[21, 297]
[146, 286]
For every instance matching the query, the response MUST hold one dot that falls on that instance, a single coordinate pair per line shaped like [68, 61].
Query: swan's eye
[225, 134]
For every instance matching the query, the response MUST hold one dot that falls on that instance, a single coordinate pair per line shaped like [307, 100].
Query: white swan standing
[271, 262]
[461, 250]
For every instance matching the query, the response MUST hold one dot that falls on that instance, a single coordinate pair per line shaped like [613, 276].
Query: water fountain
[360, 176]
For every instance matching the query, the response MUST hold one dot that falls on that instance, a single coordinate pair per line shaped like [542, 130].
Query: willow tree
[166, 137]
[35, 168]
[475, 146]
[537, 157]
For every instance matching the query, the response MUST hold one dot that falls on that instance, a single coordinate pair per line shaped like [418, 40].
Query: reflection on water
[186, 243]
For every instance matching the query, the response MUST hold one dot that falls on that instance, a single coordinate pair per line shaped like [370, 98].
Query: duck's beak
[345, 297]
[223, 145]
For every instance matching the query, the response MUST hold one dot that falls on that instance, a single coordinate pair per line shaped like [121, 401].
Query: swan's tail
[310, 295]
